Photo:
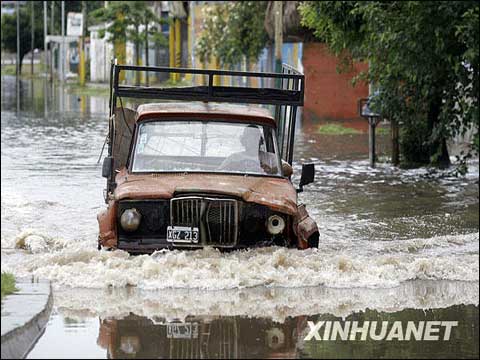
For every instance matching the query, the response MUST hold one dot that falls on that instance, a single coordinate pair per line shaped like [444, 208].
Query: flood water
[395, 245]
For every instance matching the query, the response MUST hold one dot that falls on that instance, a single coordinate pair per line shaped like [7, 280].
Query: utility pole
[81, 71]
[158, 12]
[62, 46]
[278, 5]
[146, 50]
[52, 17]
[45, 56]
[52, 32]
[45, 60]
[1, 29]
[32, 45]
[372, 122]
[171, 47]
[17, 10]
[178, 47]
[191, 14]
[17, 78]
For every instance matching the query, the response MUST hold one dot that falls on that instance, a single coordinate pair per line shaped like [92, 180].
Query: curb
[24, 316]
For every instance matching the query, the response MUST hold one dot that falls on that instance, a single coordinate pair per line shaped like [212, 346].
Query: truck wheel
[313, 240]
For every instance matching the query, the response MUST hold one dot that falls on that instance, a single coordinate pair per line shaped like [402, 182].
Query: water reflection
[200, 338]
[255, 323]
[242, 337]
[42, 97]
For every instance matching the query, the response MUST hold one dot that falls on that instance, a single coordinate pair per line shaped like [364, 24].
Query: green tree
[141, 15]
[114, 15]
[9, 30]
[233, 32]
[9, 24]
[124, 20]
[423, 57]
[70, 6]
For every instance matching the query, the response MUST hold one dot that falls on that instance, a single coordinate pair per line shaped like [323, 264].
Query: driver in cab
[251, 159]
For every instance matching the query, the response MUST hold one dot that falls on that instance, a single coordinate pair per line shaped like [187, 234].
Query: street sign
[74, 24]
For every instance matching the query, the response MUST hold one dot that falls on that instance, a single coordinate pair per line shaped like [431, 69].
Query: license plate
[184, 234]
[182, 331]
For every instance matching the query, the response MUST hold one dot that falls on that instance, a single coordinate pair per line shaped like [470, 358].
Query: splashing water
[338, 265]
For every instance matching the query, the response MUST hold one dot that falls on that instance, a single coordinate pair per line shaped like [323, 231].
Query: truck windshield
[206, 146]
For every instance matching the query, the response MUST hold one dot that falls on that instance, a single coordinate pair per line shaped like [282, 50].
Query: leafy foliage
[7, 284]
[140, 14]
[423, 57]
[9, 30]
[124, 19]
[233, 31]
[9, 24]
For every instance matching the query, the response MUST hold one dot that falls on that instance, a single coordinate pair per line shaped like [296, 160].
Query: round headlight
[130, 219]
[275, 224]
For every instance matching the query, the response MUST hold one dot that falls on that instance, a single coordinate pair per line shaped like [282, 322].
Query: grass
[8, 284]
[91, 89]
[337, 129]
[382, 131]
[88, 90]
[102, 89]
[10, 69]
[171, 83]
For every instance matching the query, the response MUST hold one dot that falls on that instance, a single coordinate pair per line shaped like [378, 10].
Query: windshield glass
[206, 146]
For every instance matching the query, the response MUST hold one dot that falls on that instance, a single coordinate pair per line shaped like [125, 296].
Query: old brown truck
[205, 171]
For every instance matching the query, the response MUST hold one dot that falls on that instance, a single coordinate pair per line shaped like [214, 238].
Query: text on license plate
[182, 234]
[182, 331]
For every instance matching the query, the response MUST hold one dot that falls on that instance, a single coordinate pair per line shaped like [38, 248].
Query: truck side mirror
[107, 166]
[308, 175]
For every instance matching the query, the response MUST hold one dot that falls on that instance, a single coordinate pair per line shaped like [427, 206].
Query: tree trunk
[278, 5]
[394, 130]
[146, 51]
[137, 58]
[137, 62]
[444, 159]
[438, 149]
[247, 68]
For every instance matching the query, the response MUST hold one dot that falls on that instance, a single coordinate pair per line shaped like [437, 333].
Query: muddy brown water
[395, 245]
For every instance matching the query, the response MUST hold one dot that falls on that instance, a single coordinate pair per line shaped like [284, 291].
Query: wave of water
[336, 264]
[277, 303]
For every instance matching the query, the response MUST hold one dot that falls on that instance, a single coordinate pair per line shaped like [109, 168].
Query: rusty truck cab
[203, 173]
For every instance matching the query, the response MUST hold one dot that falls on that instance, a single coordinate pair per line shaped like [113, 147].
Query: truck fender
[304, 227]
[107, 236]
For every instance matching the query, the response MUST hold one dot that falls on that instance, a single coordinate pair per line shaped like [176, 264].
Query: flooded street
[394, 245]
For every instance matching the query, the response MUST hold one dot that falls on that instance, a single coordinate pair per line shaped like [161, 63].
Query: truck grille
[217, 219]
[186, 212]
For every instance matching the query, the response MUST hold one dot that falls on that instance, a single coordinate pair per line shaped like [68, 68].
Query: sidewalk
[24, 315]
